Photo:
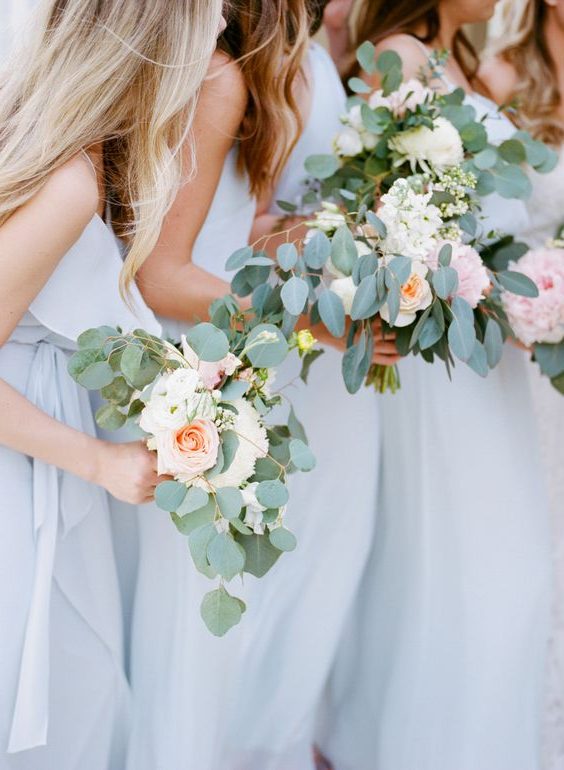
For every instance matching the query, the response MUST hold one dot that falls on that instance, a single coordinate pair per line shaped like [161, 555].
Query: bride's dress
[445, 660]
[546, 212]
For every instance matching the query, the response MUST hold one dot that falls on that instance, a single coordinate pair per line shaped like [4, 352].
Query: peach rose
[188, 452]
[415, 295]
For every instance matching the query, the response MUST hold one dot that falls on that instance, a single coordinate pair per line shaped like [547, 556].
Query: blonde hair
[536, 93]
[123, 73]
[269, 39]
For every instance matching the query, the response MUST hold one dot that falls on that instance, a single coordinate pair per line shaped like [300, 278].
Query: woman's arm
[171, 284]
[32, 242]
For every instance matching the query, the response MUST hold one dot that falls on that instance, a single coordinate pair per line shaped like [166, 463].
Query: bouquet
[539, 322]
[397, 238]
[202, 406]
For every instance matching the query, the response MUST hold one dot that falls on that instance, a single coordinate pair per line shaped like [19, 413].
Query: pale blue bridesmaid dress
[444, 662]
[179, 670]
[297, 614]
[63, 696]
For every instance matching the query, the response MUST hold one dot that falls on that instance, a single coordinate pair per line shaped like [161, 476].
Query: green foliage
[220, 611]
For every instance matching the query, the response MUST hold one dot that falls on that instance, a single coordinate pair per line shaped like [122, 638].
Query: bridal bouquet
[201, 406]
[539, 322]
[405, 266]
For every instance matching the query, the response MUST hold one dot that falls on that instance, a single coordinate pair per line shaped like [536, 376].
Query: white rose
[253, 514]
[354, 118]
[181, 385]
[345, 289]
[159, 415]
[415, 295]
[348, 143]
[369, 140]
[440, 146]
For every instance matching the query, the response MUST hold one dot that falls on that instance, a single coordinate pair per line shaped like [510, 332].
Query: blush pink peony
[473, 279]
[539, 319]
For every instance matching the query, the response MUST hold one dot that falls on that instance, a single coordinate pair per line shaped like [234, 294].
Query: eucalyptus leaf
[230, 502]
[493, 343]
[343, 250]
[366, 57]
[295, 427]
[359, 86]
[461, 332]
[512, 182]
[96, 338]
[283, 539]
[194, 500]
[317, 251]
[287, 256]
[445, 281]
[294, 295]
[198, 542]
[118, 392]
[332, 312]
[272, 494]
[109, 417]
[518, 283]
[226, 556]
[229, 445]
[220, 611]
[270, 352]
[234, 390]
[261, 555]
[431, 333]
[169, 495]
[96, 376]
[321, 166]
[208, 342]
[550, 358]
[239, 258]
[364, 298]
[478, 361]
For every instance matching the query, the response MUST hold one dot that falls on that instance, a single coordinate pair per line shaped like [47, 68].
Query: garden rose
[345, 289]
[210, 372]
[189, 451]
[439, 147]
[415, 295]
[348, 143]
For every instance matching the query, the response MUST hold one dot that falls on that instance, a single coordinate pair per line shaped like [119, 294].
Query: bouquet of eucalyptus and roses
[201, 406]
[538, 322]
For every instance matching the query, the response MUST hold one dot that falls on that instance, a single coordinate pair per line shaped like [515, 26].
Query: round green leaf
[332, 312]
[239, 258]
[208, 342]
[261, 555]
[96, 376]
[272, 494]
[294, 295]
[226, 556]
[108, 417]
[513, 151]
[445, 282]
[388, 60]
[96, 338]
[321, 166]
[169, 495]
[230, 502]
[343, 250]
[194, 499]
[301, 455]
[269, 353]
[485, 159]
[283, 539]
[287, 256]
[220, 611]
[317, 251]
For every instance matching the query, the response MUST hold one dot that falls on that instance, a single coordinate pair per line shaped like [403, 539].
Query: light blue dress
[63, 696]
[296, 616]
[444, 662]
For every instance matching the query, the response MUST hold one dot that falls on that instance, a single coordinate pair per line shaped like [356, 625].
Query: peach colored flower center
[411, 289]
[192, 438]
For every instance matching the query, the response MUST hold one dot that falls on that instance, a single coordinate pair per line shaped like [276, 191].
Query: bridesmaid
[528, 70]
[246, 123]
[76, 120]
[444, 664]
[296, 615]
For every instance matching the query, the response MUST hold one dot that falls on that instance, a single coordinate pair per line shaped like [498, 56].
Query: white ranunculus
[159, 415]
[415, 295]
[254, 512]
[345, 289]
[348, 143]
[182, 384]
[253, 443]
[438, 147]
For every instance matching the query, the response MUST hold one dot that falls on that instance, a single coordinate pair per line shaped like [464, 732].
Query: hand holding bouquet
[201, 407]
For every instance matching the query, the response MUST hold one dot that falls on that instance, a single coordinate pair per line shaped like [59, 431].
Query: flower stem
[384, 378]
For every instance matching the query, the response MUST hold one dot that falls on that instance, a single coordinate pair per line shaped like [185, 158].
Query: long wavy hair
[269, 39]
[378, 19]
[536, 94]
[123, 74]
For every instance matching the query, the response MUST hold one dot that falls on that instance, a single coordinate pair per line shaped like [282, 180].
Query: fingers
[386, 348]
[385, 360]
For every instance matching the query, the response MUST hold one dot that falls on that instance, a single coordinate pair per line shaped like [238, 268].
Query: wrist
[93, 460]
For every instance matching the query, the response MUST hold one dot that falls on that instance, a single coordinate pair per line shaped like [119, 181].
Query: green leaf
[96, 338]
[307, 362]
[195, 499]
[220, 611]
[332, 312]
[131, 362]
[518, 283]
[266, 469]
[366, 57]
[365, 297]
[81, 360]
[283, 539]
[493, 343]
[287, 256]
[234, 390]
[295, 427]
[512, 182]
[445, 282]
[387, 61]
[301, 455]
[198, 542]
[474, 136]
[485, 159]
[512, 151]
[269, 353]
[208, 342]
[118, 392]
[321, 166]
[239, 258]
[294, 295]
[317, 251]
[359, 86]
[96, 376]
[558, 383]
[459, 115]
[478, 361]
[226, 556]
[461, 332]
[272, 494]
[401, 267]
[289, 208]
[550, 358]
[343, 250]
[377, 224]
[230, 502]
[108, 417]
[431, 333]
[191, 521]
[261, 555]
[445, 255]
[230, 445]
[485, 186]
[169, 495]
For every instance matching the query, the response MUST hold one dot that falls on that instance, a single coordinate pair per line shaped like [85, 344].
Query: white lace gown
[446, 654]
[64, 699]
[546, 212]
[179, 671]
[296, 616]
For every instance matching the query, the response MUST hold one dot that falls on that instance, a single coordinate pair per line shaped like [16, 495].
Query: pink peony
[188, 452]
[473, 279]
[539, 319]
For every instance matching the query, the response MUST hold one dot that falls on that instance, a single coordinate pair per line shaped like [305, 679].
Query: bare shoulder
[412, 53]
[71, 190]
[225, 85]
[499, 76]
